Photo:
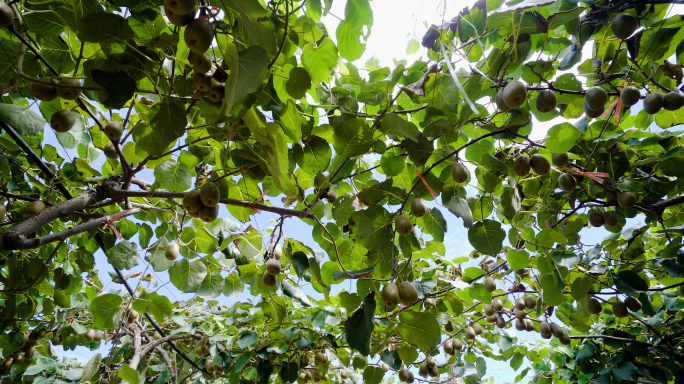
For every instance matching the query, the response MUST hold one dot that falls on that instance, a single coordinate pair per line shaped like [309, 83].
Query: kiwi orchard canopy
[210, 114]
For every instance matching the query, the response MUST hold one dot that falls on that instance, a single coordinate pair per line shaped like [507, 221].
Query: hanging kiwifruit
[593, 306]
[653, 103]
[624, 25]
[500, 322]
[595, 99]
[62, 120]
[216, 93]
[520, 314]
[181, 6]
[545, 330]
[68, 93]
[566, 182]
[490, 319]
[529, 325]
[610, 219]
[407, 293]
[500, 103]
[433, 371]
[556, 330]
[629, 95]
[110, 150]
[403, 374]
[403, 225]
[208, 214]
[423, 370]
[448, 347]
[344, 374]
[198, 35]
[497, 305]
[520, 304]
[430, 361]
[210, 194]
[514, 94]
[478, 328]
[331, 195]
[34, 208]
[6, 14]
[540, 165]
[470, 333]
[178, 19]
[192, 202]
[530, 302]
[626, 199]
[633, 304]
[90, 334]
[520, 325]
[42, 91]
[560, 159]
[459, 172]
[172, 251]
[490, 284]
[390, 295]
[458, 344]
[113, 130]
[268, 280]
[488, 310]
[98, 336]
[321, 358]
[592, 114]
[275, 251]
[201, 62]
[596, 219]
[273, 267]
[203, 81]
[418, 207]
[620, 309]
[522, 165]
[546, 101]
[673, 101]
[449, 326]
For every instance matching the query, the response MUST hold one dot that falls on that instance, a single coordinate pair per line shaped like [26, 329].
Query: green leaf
[103, 27]
[23, 119]
[517, 259]
[316, 155]
[124, 255]
[393, 124]
[374, 230]
[360, 325]
[510, 202]
[580, 288]
[291, 121]
[91, 369]
[420, 329]
[106, 310]
[167, 124]
[233, 285]
[254, 24]
[319, 61]
[212, 286]
[128, 374]
[352, 138]
[298, 82]
[154, 304]
[175, 177]
[248, 70]
[487, 237]
[118, 88]
[373, 375]
[187, 275]
[291, 291]
[562, 137]
[629, 282]
[435, 224]
[626, 371]
[247, 339]
[460, 208]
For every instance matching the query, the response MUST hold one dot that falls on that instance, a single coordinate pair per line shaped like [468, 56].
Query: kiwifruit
[423, 370]
[596, 219]
[201, 62]
[529, 325]
[43, 92]
[216, 93]
[275, 250]
[546, 101]
[500, 103]
[565, 339]
[633, 304]
[653, 103]
[613, 148]
[307, 375]
[681, 290]
[62, 120]
[344, 374]
[34, 208]
[180, 20]
[540, 165]
[624, 25]
[302, 377]
[19, 358]
[208, 214]
[449, 326]
[490, 284]
[629, 95]
[673, 101]
[430, 302]
[459, 173]
[610, 219]
[403, 374]
[530, 302]
[273, 267]
[522, 165]
[433, 371]
[192, 201]
[181, 6]
[478, 328]
[198, 35]
[458, 344]
[490, 319]
[209, 365]
[172, 251]
[620, 309]
[470, 333]
[545, 330]
[156, 335]
[203, 81]
[592, 114]
[6, 14]
[209, 194]
[418, 207]
[98, 336]
[500, 322]
[566, 182]
[410, 378]
[514, 94]
[520, 314]
[331, 195]
[488, 310]
[556, 330]
[268, 280]
[448, 347]
[595, 99]
[133, 316]
[407, 293]
[626, 199]
[520, 304]
[90, 334]
[3, 211]
[430, 361]
[69, 93]
[560, 159]
[113, 130]
[390, 295]
[318, 376]
[110, 150]
[593, 306]
[403, 225]
[520, 325]
[9, 361]
[321, 358]
[497, 305]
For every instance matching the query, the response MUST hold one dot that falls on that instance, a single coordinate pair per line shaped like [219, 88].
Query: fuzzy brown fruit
[540, 165]
[520, 304]
[610, 219]
[497, 305]
[203, 81]
[520, 314]
[530, 302]
[459, 173]
[478, 328]
[566, 182]
[545, 330]
[62, 120]
[403, 225]
[430, 362]
[113, 130]
[560, 159]
[448, 347]
[201, 62]
[192, 201]
[470, 333]
[490, 284]
[620, 309]
[673, 101]
[653, 103]
[500, 103]
[273, 267]
[90, 334]
[557, 330]
[546, 101]
[423, 370]
[407, 293]
[520, 325]
[390, 295]
[208, 214]
[180, 20]
[593, 306]
[69, 93]
[43, 92]
[500, 322]
[633, 304]
[6, 14]
[514, 94]
[275, 250]
[418, 207]
[216, 93]
[629, 95]
[592, 114]
[624, 25]
[596, 219]
[209, 194]
[34, 208]
[626, 199]
[488, 310]
[449, 326]
[181, 6]
[321, 358]
[110, 150]
[199, 35]
[595, 99]
[268, 280]
[522, 165]
[529, 325]
[172, 251]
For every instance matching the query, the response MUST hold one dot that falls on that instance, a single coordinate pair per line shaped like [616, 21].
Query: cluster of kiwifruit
[273, 267]
[429, 367]
[308, 375]
[49, 89]
[599, 219]
[212, 368]
[34, 208]
[203, 203]
[26, 352]
[94, 335]
[405, 293]
[619, 307]
[538, 163]
[202, 349]
[113, 130]
[405, 376]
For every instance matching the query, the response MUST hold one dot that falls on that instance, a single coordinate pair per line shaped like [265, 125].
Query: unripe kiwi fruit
[268, 280]
[192, 202]
[458, 344]
[545, 330]
[500, 102]
[478, 328]
[113, 130]
[172, 251]
[273, 267]
[488, 310]
[430, 361]
[470, 333]
[69, 93]
[490, 319]
[530, 302]
[500, 322]
[592, 114]
[34, 208]
[633, 304]
[629, 95]
[199, 35]
[178, 19]
[203, 81]
[520, 325]
[673, 101]
[610, 219]
[497, 305]
[624, 25]
[208, 214]
[556, 330]
[448, 347]
[520, 304]
[407, 293]
[490, 284]
[275, 250]
[423, 370]
[433, 371]
[98, 336]
[540, 165]
[449, 326]
[620, 309]
[6, 14]
[529, 325]
[62, 120]
[90, 334]
[626, 199]
[418, 207]
[546, 101]
[596, 219]
[216, 93]
[593, 306]
[566, 182]
[522, 165]
[565, 339]
[110, 150]
[201, 62]
[403, 374]
[209, 194]
[410, 378]
[520, 314]
[390, 295]
[595, 99]
[321, 358]
[403, 225]
[560, 159]
[181, 6]
[653, 103]
[459, 173]
[44, 92]
[514, 94]
[344, 374]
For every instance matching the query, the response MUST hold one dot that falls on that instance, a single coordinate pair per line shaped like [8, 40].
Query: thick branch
[155, 343]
